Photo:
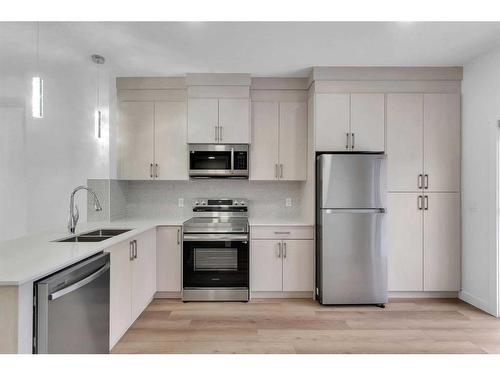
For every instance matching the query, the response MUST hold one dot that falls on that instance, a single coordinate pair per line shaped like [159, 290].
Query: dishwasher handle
[80, 283]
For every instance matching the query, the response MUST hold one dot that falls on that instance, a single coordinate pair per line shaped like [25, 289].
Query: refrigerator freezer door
[353, 268]
[351, 181]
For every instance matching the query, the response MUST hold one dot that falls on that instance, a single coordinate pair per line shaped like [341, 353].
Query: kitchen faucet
[74, 216]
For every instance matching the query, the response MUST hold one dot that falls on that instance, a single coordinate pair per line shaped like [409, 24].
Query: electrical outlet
[181, 202]
[288, 202]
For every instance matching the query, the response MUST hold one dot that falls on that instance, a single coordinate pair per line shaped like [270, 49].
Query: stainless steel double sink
[97, 235]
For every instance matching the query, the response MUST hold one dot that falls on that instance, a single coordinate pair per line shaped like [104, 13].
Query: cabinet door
[331, 122]
[234, 120]
[266, 266]
[298, 263]
[171, 150]
[368, 122]
[442, 242]
[442, 141]
[120, 314]
[168, 259]
[404, 141]
[292, 141]
[405, 242]
[264, 147]
[143, 272]
[203, 119]
[136, 133]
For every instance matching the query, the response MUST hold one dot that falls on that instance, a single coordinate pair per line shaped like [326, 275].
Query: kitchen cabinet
[168, 259]
[404, 141]
[120, 308]
[171, 150]
[136, 140]
[424, 241]
[423, 142]
[282, 265]
[143, 272]
[350, 122]
[266, 266]
[298, 265]
[214, 120]
[405, 255]
[152, 141]
[442, 142]
[332, 122]
[282, 258]
[279, 141]
[442, 242]
[132, 281]
[367, 122]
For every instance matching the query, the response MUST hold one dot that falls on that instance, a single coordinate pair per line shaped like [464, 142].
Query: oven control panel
[211, 202]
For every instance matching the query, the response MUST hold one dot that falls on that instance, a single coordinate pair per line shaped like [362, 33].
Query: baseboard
[281, 294]
[423, 295]
[168, 295]
[474, 301]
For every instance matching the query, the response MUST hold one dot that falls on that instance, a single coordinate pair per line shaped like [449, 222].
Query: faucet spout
[74, 214]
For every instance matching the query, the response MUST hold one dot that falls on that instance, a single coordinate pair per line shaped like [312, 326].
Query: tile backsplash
[160, 199]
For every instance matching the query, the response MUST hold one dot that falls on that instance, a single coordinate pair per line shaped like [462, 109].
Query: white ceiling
[262, 49]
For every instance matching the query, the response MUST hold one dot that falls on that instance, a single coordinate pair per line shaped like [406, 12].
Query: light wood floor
[303, 326]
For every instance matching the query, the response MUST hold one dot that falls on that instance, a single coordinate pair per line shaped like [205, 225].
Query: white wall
[480, 112]
[60, 150]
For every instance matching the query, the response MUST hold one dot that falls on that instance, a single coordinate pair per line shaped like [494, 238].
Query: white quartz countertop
[29, 258]
[32, 257]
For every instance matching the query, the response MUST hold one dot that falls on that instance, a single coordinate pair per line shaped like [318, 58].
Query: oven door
[218, 161]
[215, 261]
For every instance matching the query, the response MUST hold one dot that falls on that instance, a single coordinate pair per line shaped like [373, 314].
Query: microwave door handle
[232, 160]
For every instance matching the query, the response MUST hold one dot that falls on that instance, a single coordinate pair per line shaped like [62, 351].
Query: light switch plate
[181, 202]
[288, 202]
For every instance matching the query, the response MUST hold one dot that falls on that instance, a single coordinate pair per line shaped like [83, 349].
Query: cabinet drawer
[283, 233]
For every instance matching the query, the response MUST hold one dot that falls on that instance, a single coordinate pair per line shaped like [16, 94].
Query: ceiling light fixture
[37, 82]
[99, 60]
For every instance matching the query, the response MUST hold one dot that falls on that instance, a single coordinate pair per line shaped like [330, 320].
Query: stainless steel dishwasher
[71, 309]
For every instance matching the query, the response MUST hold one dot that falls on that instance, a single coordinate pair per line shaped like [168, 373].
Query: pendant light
[98, 60]
[37, 82]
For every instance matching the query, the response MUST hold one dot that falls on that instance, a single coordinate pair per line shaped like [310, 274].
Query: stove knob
[196, 203]
[203, 203]
[242, 203]
[235, 203]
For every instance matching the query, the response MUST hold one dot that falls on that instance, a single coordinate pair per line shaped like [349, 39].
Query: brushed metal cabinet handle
[275, 170]
[135, 248]
[131, 250]
[215, 133]
[281, 232]
[220, 133]
[426, 181]
[347, 141]
[156, 170]
[151, 170]
[178, 236]
[279, 249]
[420, 184]
[426, 202]
[284, 249]
[419, 202]
[352, 141]
[281, 170]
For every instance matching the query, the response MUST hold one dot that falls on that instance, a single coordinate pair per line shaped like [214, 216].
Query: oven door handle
[232, 160]
[214, 237]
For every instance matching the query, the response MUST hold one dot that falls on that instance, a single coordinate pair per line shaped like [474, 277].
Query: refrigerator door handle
[354, 210]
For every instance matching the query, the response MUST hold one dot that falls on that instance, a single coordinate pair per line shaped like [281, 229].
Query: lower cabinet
[132, 281]
[424, 241]
[168, 259]
[281, 265]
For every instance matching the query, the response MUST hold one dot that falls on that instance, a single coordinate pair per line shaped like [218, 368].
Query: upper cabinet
[152, 140]
[218, 120]
[349, 122]
[218, 108]
[423, 142]
[279, 141]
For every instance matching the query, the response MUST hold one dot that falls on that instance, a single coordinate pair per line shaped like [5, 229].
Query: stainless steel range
[216, 251]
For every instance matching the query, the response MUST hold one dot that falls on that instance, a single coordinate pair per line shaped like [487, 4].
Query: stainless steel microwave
[218, 161]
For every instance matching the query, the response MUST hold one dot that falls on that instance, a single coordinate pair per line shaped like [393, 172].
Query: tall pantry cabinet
[423, 148]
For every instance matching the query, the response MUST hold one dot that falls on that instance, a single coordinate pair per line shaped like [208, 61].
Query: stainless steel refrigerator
[351, 260]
